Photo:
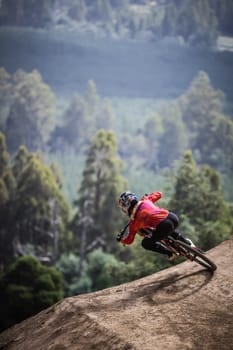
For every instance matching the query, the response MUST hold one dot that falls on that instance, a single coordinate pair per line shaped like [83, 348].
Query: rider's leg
[150, 244]
[177, 235]
[164, 229]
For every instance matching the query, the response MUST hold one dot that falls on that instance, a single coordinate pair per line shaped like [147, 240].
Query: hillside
[182, 307]
[119, 68]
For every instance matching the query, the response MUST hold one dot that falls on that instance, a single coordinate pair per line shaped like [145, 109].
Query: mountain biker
[151, 222]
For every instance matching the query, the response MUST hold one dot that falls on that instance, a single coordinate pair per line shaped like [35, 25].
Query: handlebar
[121, 234]
[118, 237]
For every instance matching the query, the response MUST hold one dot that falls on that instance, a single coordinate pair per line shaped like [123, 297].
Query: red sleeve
[130, 237]
[154, 196]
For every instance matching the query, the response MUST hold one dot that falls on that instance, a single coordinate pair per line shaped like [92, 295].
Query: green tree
[26, 12]
[39, 207]
[200, 102]
[215, 143]
[34, 211]
[168, 23]
[27, 288]
[68, 265]
[20, 161]
[224, 140]
[211, 133]
[174, 139]
[97, 219]
[195, 21]
[92, 98]
[83, 116]
[5, 96]
[199, 197]
[4, 156]
[105, 117]
[7, 189]
[38, 13]
[104, 270]
[77, 126]
[223, 10]
[4, 195]
[31, 116]
[152, 131]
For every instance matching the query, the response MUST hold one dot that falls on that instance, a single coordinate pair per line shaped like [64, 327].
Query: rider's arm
[129, 237]
[154, 196]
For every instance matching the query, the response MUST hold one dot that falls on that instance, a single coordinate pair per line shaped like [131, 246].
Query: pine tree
[7, 188]
[40, 209]
[105, 117]
[199, 197]
[4, 156]
[77, 127]
[98, 217]
[211, 132]
[92, 98]
[31, 116]
[6, 174]
[34, 212]
[200, 102]
[174, 139]
[5, 96]
[20, 161]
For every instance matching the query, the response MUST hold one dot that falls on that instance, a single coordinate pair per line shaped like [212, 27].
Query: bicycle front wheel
[196, 255]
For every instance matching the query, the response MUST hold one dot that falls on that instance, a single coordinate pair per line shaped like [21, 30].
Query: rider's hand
[118, 237]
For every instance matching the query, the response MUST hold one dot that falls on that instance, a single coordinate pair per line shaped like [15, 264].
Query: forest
[67, 152]
[197, 22]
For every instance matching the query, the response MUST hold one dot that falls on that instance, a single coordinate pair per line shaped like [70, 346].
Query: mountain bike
[182, 249]
[190, 253]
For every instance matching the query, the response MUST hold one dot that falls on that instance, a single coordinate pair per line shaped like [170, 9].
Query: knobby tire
[197, 256]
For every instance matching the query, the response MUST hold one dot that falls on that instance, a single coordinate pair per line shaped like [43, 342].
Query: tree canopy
[198, 22]
[31, 114]
[34, 210]
[199, 197]
[97, 218]
[210, 130]
[26, 288]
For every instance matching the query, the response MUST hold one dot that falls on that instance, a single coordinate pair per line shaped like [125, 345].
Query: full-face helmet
[127, 201]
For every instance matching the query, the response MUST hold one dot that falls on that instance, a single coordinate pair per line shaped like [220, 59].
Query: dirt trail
[183, 307]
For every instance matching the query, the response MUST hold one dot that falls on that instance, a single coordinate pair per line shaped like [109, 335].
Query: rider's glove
[118, 237]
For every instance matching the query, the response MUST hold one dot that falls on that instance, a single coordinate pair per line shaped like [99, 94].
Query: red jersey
[145, 215]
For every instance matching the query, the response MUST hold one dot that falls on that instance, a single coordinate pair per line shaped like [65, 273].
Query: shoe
[172, 258]
[189, 242]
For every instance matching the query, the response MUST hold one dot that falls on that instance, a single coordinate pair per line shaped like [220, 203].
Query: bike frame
[181, 249]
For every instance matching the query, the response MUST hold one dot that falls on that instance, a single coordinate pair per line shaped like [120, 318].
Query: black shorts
[166, 227]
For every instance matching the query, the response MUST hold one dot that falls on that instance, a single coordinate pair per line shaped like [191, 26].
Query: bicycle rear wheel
[194, 254]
